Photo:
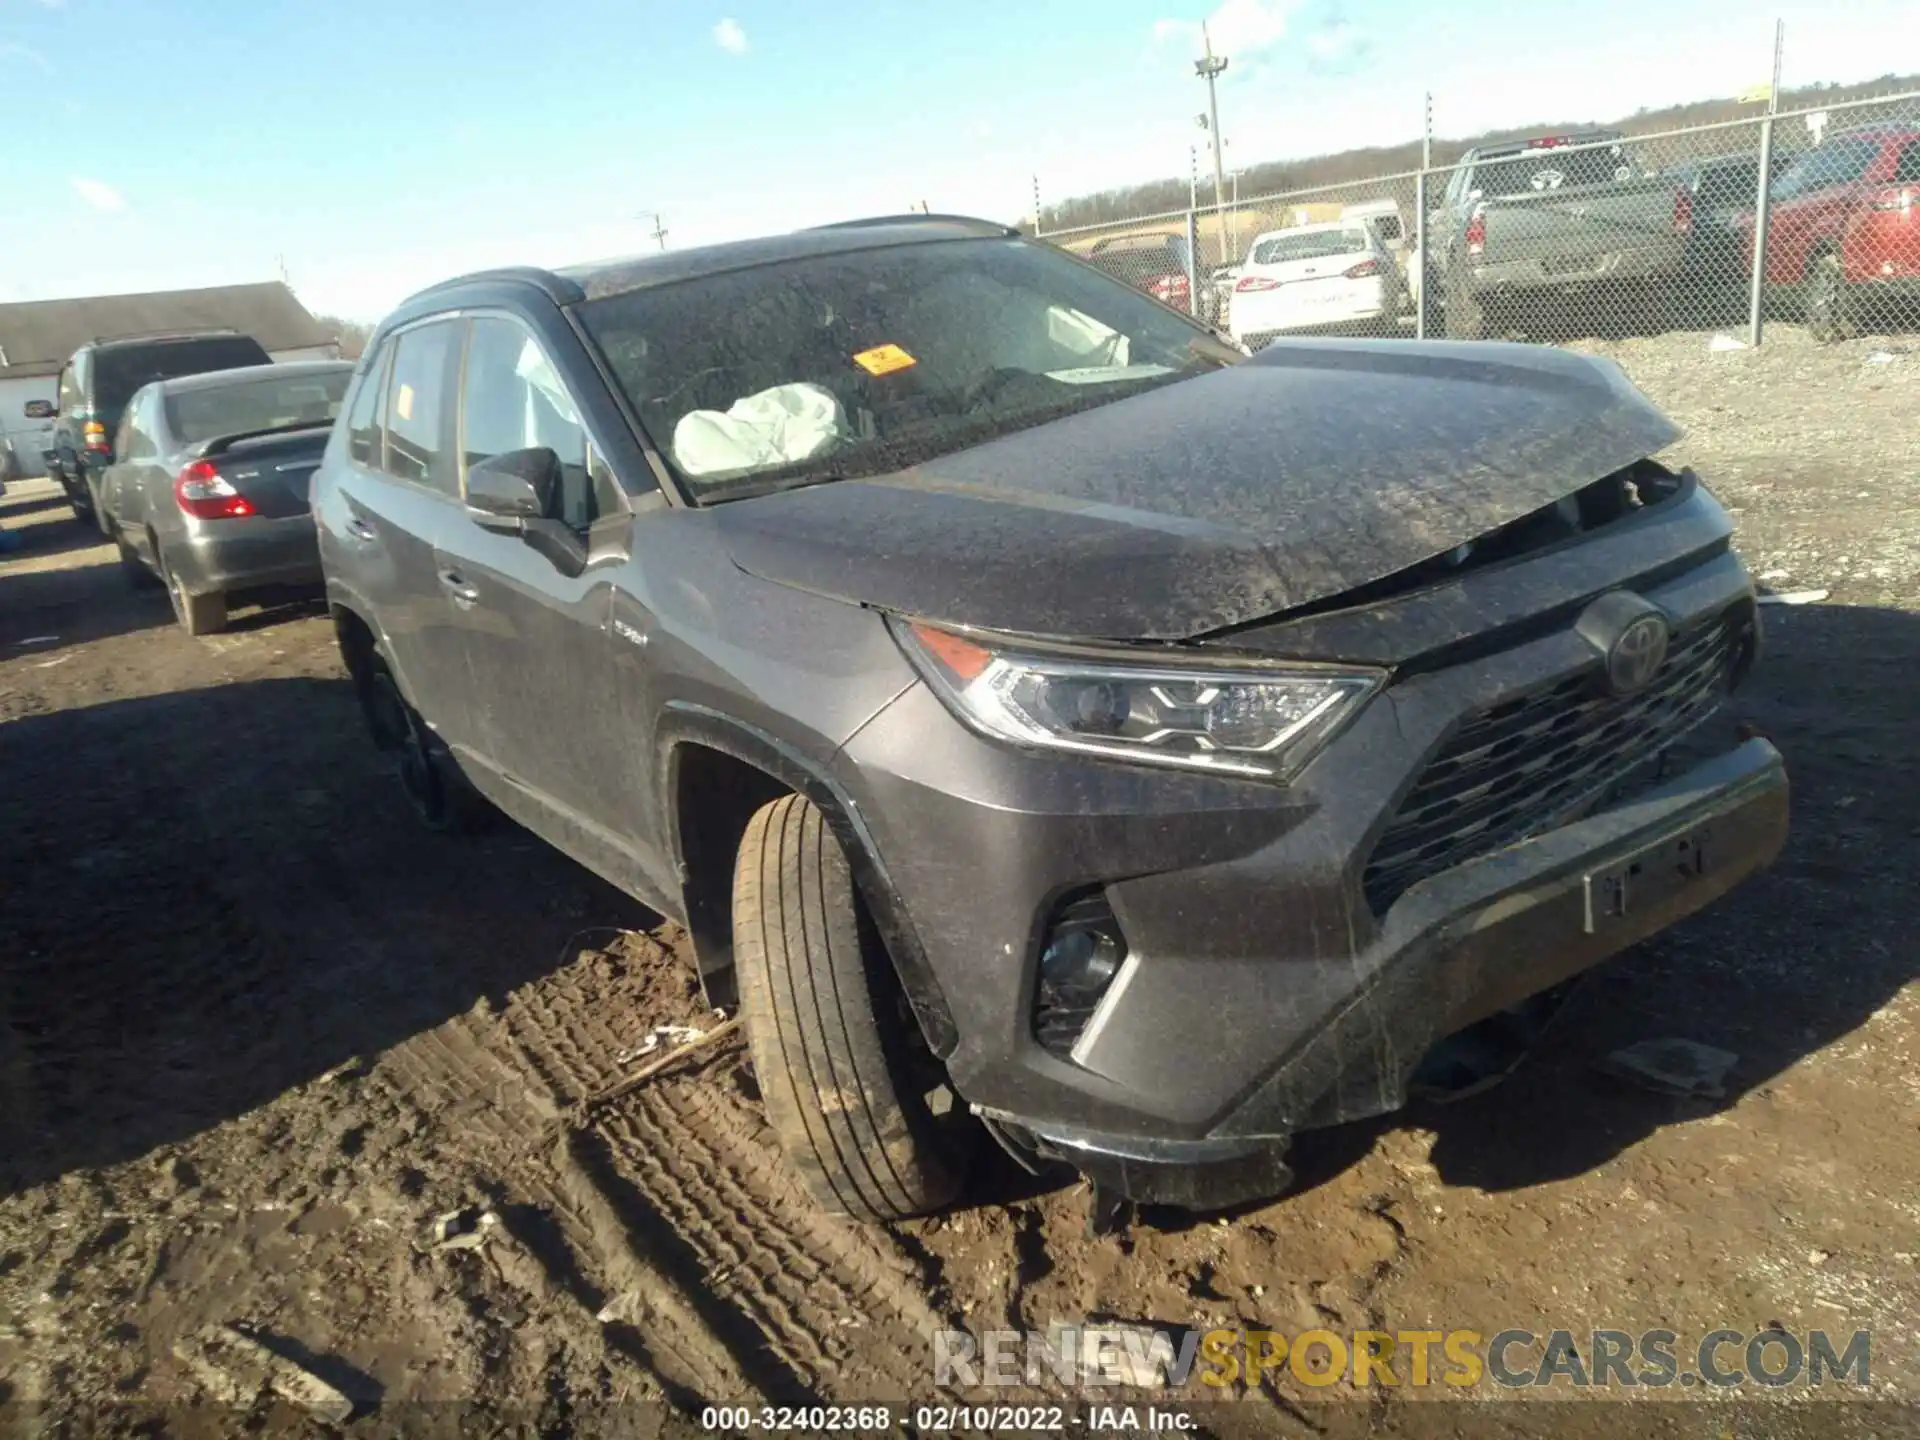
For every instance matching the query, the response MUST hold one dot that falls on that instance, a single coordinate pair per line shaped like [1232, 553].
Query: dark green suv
[96, 384]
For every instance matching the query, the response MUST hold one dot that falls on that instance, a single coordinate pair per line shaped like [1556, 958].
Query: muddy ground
[257, 1030]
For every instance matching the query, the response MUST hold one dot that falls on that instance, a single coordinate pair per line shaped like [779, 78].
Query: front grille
[1525, 765]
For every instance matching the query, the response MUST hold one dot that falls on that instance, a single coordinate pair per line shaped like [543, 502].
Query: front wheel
[849, 1089]
[1829, 302]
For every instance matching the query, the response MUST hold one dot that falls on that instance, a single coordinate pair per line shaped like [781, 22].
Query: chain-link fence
[1566, 236]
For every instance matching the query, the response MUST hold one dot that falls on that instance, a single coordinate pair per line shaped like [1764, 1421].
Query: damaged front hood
[1310, 470]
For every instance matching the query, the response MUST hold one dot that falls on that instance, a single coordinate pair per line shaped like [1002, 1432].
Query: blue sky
[377, 148]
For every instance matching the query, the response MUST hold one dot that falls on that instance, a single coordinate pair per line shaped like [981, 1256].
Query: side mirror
[507, 491]
[41, 410]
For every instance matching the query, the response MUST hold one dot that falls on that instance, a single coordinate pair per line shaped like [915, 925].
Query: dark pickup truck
[1556, 220]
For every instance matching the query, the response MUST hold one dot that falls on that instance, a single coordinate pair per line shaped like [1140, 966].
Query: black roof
[243, 374]
[597, 280]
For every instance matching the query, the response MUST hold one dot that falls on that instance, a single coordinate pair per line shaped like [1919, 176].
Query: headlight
[1231, 719]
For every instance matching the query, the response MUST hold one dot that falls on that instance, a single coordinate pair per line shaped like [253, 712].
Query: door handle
[361, 530]
[455, 584]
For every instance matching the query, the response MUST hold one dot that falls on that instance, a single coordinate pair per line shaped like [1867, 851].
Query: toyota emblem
[1636, 655]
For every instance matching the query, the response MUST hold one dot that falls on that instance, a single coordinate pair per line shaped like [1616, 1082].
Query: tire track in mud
[674, 1201]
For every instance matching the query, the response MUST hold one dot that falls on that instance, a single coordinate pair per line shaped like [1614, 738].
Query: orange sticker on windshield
[884, 360]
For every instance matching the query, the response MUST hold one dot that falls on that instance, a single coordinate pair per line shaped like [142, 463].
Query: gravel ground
[257, 1032]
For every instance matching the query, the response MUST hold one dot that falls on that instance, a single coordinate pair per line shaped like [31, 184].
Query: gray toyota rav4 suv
[1045, 719]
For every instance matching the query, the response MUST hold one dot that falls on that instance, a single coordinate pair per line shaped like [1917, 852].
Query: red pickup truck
[1843, 232]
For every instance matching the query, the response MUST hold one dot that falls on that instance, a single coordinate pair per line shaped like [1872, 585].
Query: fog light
[1081, 962]
[1081, 953]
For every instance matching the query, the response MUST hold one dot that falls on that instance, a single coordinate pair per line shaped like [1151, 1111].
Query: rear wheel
[197, 614]
[444, 802]
[99, 511]
[849, 1088]
[1830, 314]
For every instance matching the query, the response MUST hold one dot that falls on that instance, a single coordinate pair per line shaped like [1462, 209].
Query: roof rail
[561, 290]
[917, 217]
[206, 333]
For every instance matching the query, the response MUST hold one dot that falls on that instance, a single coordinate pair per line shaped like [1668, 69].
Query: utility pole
[659, 231]
[1209, 68]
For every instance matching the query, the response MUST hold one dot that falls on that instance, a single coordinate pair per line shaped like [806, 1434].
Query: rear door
[389, 508]
[537, 639]
[129, 485]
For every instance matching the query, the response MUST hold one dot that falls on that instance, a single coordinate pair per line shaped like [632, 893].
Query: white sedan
[1333, 276]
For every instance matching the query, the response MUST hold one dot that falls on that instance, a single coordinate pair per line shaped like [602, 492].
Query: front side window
[420, 407]
[513, 400]
[862, 363]
[273, 402]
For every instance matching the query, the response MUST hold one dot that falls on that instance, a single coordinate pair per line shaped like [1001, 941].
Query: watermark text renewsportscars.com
[1197, 1362]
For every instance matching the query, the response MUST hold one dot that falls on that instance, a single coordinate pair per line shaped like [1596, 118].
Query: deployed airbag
[780, 426]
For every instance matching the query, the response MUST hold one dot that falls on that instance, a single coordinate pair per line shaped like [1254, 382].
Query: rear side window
[363, 423]
[420, 409]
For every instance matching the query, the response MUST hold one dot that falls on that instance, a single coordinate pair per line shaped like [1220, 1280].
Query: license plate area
[1647, 878]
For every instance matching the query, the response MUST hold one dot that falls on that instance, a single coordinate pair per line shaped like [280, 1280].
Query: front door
[538, 640]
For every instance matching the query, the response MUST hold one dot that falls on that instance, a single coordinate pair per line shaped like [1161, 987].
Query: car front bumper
[1463, 946]
[1264, 993]
[249, 554]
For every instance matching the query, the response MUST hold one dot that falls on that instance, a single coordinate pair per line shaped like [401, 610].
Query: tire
[444, 801]
[814, 983]
[197, 614]
[1830, 308]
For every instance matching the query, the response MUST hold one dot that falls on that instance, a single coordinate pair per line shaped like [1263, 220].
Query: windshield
[267, 404]
[1550, 168]
[1314, 245]
[862, 363]
[1838, 162]
[120, 371]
